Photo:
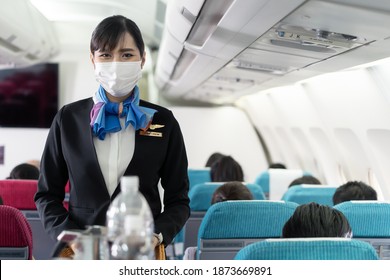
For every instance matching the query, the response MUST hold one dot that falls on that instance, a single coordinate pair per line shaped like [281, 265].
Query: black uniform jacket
[69, 154]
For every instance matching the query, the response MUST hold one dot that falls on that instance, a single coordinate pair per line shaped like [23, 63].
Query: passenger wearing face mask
[93, 142]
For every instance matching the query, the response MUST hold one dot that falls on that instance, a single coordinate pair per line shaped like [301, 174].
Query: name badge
[150, 133]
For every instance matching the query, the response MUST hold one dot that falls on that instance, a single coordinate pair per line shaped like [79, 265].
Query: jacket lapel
[88, 144]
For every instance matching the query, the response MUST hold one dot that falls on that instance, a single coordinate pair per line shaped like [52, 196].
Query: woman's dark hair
[354, 190]
[315, 220]
[307, 179]
[213, 158]
[24, 171]
[226, 169]
[109, 31]
[231, 191]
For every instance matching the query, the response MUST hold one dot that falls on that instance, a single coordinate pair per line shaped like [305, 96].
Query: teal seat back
[233, 222]
[308, 249]
[370, 222]
[200, 201]
[302, 194]
[201, 194]
[198, 176]
[367, 218]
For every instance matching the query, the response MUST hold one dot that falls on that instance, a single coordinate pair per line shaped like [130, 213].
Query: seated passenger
[228, 191]
[226, 169]
[231, 191]
[24, 171]
[354, 190]
[306, 179]
[1, 201]
[213, 158]
[315, 220]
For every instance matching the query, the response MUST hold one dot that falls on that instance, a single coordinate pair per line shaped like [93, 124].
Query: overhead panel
[169, 52]
[221, 30]
[227, 85]
[181, 16]
[179, 19]
[253, 45]
[309, 35]
[307, 41]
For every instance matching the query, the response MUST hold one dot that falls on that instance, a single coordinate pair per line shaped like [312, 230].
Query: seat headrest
[302, 194]
[198, 176]
[308, 249]
[246, 219]
[19, 193]
[201, 194]
[367, 218]
[17, 232]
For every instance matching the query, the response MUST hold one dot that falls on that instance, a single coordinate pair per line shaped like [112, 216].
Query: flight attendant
[93, 142]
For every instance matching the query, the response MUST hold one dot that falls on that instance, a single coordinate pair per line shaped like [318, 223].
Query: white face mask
[118, 78]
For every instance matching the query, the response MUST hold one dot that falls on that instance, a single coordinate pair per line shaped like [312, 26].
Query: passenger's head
[24, 171]
[213, 158]
[354, 190]
[315, 220]
[231, 191]
[277, 165]
[307, 179]
[226, 169]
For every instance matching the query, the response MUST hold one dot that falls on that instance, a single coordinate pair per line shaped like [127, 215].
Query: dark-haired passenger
[24, 171]
[316, 220]
[354, 190]
[226, 169]
[213, 158]
[231, 191]
[306, 179]
[228, 191]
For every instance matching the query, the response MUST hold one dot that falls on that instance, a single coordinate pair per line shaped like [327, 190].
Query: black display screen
[29, 96]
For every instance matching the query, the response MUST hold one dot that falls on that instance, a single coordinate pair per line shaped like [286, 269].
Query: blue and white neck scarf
[105, 114]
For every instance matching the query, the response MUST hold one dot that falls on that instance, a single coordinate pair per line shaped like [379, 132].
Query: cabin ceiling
[78, 18]
[259, 44]
[215, 51]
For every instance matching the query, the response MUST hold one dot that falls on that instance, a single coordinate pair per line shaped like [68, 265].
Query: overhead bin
[337, 34]
[220, 31]
[271, 43]
[169, 52]
[25, 36]
[181, 16]
[190, 70]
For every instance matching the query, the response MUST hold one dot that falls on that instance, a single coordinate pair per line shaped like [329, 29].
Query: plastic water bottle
[130, 223]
